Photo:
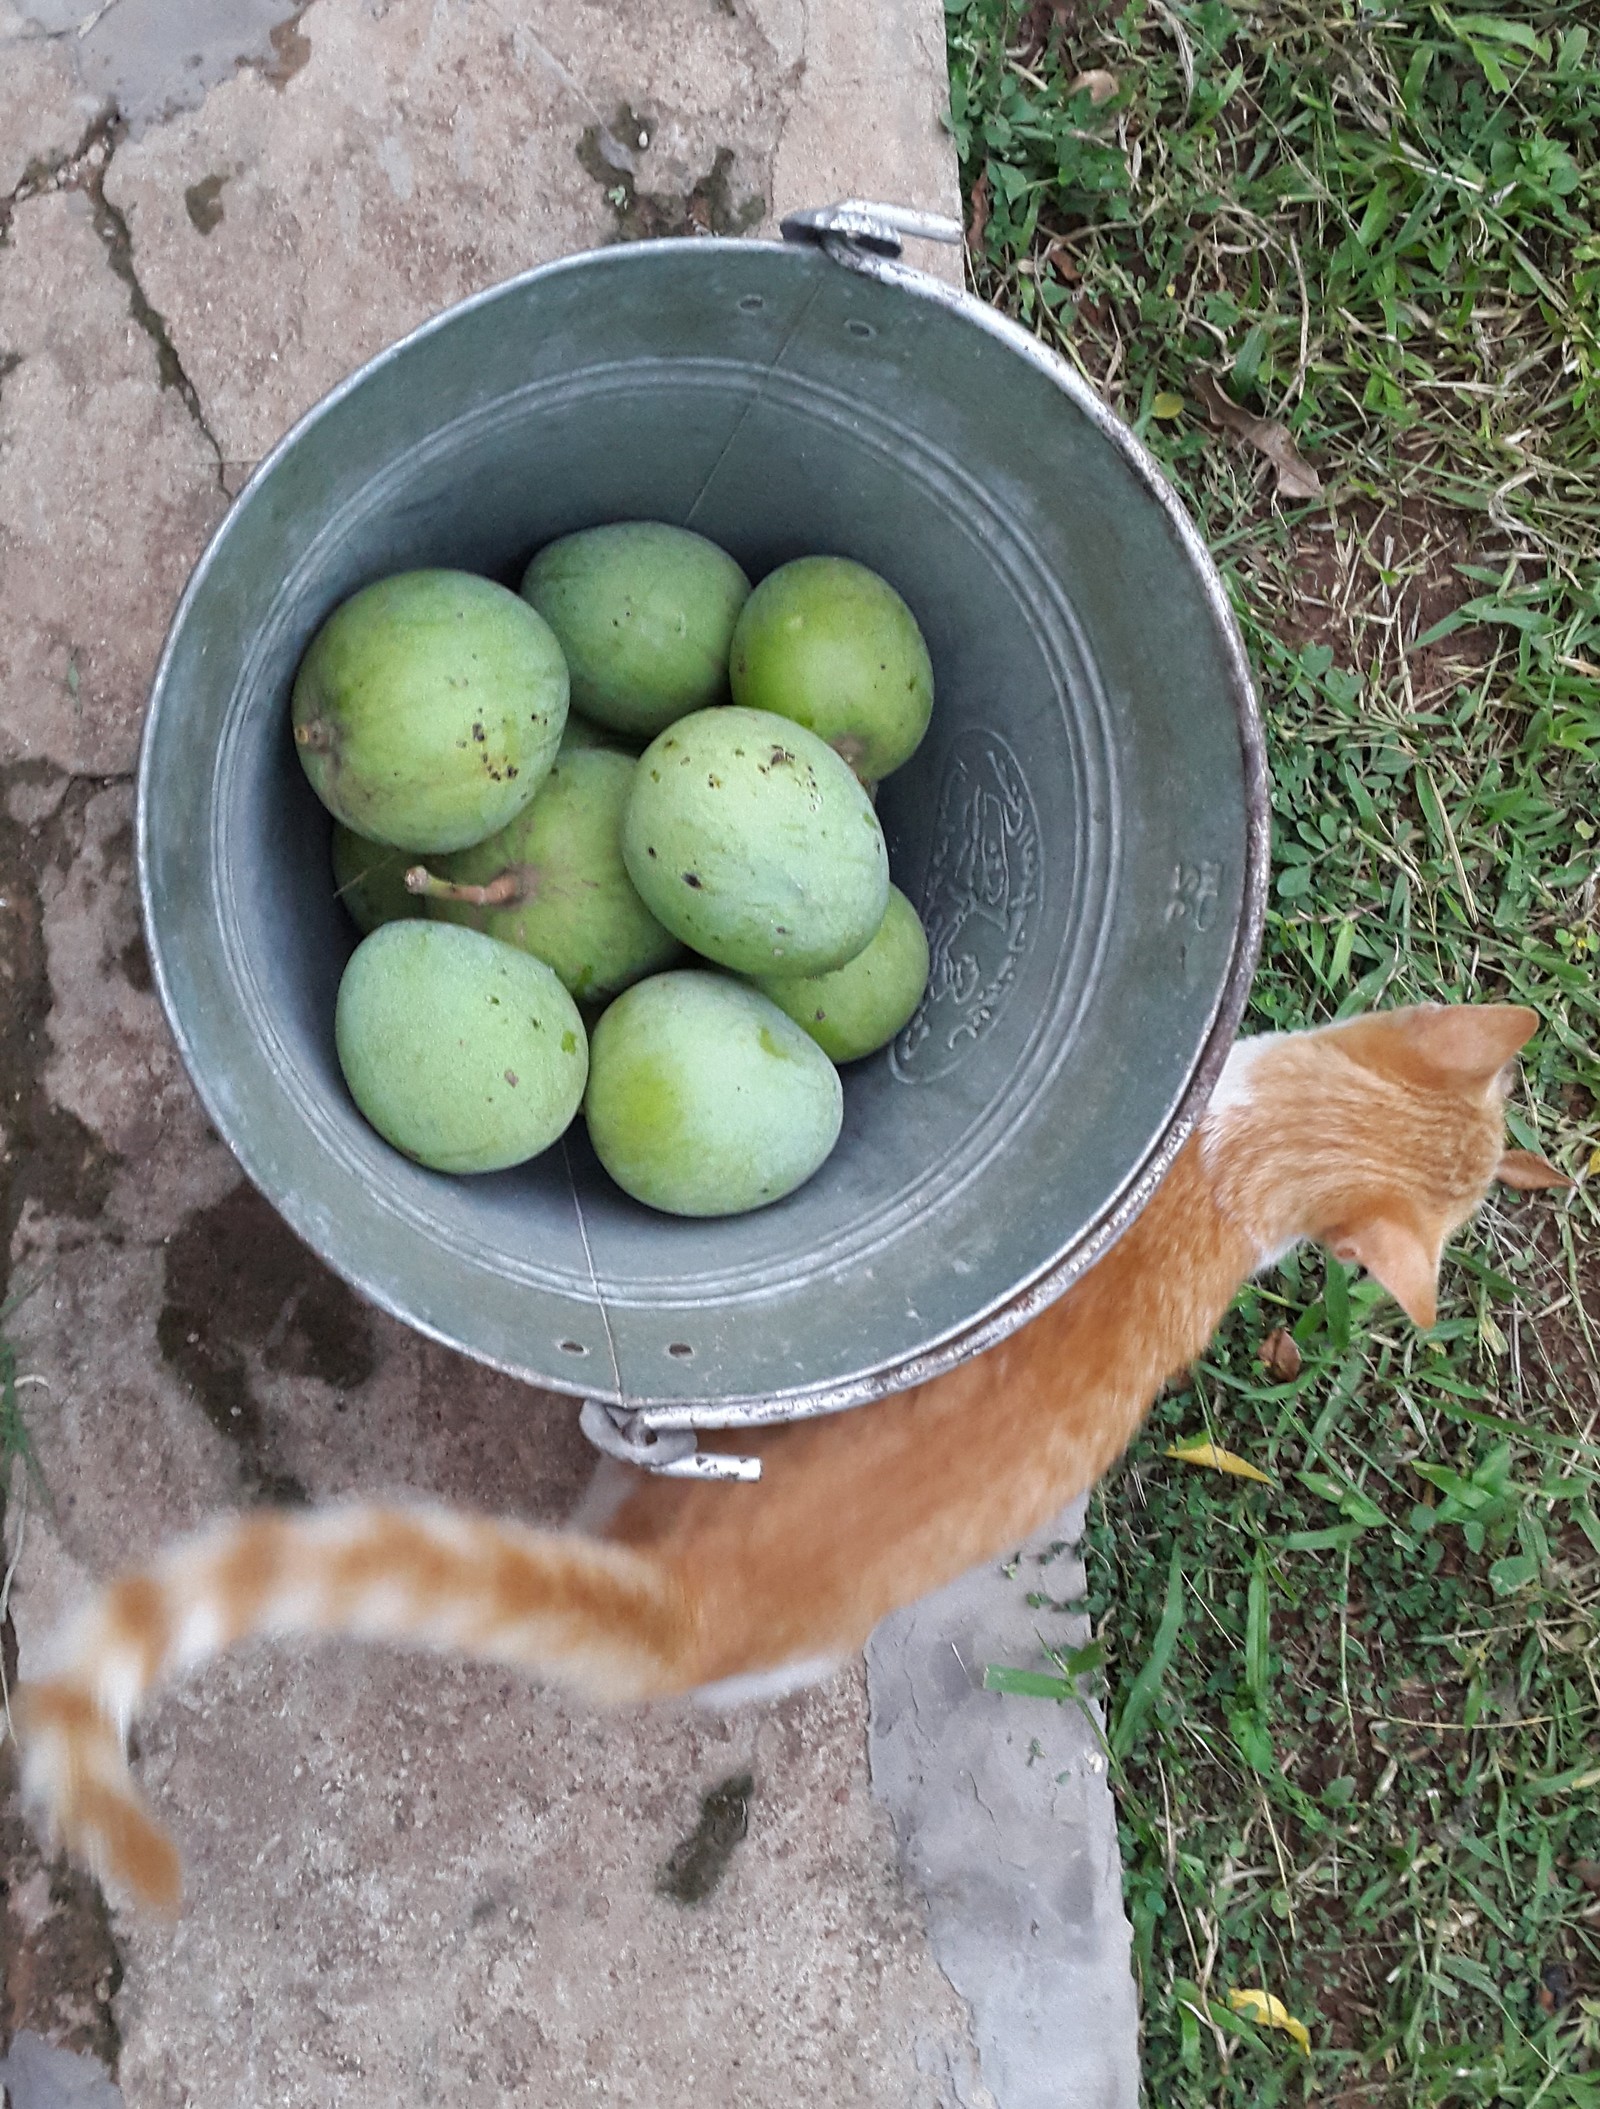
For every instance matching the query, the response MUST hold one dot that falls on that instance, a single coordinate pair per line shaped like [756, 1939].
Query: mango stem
[504, 888]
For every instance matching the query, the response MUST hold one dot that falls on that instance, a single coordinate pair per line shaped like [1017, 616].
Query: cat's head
[1380, 1136]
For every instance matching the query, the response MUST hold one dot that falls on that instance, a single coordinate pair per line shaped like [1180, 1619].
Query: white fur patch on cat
[1235, 1092]
[1235, 1085]
[767, 1684]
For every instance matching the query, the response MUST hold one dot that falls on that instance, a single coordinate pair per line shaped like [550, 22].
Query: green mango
[828, 643]
[554, 884]
[370, 879]
[704, 1099]
[645, 615]
[754, 843]
[466, 1054]
[428, 709]
[859, 1007]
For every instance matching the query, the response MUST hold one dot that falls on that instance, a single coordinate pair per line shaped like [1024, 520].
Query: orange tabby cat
[1378, 1137]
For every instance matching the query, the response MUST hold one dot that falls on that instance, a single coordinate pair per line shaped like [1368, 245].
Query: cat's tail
[612, 1623]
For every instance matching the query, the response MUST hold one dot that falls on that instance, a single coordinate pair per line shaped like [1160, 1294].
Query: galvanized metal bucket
[1084, 828]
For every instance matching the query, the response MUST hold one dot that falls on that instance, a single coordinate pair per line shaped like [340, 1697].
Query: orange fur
[1379, 1137]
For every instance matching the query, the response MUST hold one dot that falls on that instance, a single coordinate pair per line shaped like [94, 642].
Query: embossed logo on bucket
[980, 905]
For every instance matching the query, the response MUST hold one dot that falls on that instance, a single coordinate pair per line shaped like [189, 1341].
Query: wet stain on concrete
[118, 847]
[134, 963]
[47, 1154]
[239, 1284]
[59, 1966]
[698, 1863]
[613, 155]
[219, 1377]
[203, 203]
[290, 51]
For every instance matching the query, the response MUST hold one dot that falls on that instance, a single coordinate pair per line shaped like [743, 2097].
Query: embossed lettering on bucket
[1083, 829]
[980, 904]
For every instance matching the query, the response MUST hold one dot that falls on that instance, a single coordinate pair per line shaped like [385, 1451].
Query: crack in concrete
[83, 168]
[42, 173]
[111, 225]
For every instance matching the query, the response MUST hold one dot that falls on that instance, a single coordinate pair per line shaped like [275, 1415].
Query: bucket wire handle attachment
[858, 227]
[617, 1431]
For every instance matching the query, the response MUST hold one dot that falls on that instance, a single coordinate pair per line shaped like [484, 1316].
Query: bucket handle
[673, 1452]
[859, 225]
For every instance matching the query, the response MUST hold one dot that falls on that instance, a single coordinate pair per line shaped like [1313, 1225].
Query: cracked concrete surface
[108, 489]
[408, 1882]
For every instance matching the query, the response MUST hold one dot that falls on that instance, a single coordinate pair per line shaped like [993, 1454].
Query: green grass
[15, 1440]
[1355, 1714]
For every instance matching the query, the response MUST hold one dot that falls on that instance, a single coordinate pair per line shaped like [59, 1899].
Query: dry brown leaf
[1588, 1873]
[1100, 84]
[1279, 1355]
[979, 218]
[1296, 477]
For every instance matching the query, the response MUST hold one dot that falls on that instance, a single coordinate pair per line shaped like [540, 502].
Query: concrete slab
[412, 1881]
[469, 1912]
[409, 1882]
[1008, 1831]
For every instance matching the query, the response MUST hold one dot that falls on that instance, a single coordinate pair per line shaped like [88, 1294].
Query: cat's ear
[1459, 1044]
[1521, 1168]
[1395, 1253]
[1462, 1043]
